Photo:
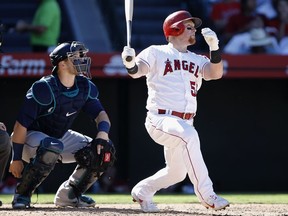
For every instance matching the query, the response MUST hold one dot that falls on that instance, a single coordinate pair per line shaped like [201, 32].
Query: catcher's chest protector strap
[53, 118]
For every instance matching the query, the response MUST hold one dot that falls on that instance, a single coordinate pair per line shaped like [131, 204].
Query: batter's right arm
[134, 69]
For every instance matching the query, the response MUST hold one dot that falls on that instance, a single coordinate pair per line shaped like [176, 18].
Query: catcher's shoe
[21, 201]
[146, 206]
[81, 201]
[215, 202]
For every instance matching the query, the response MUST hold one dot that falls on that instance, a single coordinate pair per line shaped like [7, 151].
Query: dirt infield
[133, 209]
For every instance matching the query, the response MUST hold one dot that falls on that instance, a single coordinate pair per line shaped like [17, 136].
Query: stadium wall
[241, 120]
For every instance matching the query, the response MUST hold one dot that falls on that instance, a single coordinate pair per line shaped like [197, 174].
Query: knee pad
[49, 150]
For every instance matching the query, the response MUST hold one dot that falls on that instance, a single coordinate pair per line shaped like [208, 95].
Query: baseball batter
[174, 76]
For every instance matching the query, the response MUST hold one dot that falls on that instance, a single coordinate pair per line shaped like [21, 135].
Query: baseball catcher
[42, 134]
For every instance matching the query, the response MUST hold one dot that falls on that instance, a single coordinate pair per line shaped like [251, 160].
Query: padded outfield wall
[242, 123]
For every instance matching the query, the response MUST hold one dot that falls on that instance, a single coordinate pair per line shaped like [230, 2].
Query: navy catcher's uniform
[55, 114]
[42, 135]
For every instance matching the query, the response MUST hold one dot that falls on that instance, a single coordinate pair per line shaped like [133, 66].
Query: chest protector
[58, 106]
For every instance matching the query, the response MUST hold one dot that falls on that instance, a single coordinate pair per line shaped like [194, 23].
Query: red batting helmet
[173, 24]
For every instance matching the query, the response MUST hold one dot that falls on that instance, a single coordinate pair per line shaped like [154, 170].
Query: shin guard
[40, 166]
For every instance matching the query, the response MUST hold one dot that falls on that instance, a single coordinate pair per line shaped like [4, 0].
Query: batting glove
[130, 53]
[210, 38]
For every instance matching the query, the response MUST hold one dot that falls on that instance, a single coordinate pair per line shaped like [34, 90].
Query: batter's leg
[196, 167]
[174, 172]
[198, 174]
[164, 131]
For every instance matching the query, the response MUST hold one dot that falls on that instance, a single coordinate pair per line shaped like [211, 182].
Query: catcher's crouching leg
[90, 167]
[37, 170]
[70, 193]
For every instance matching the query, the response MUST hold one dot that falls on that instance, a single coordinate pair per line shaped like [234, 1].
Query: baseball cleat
[146, 206]
[80, 202]
[215, 202]
[21, 202]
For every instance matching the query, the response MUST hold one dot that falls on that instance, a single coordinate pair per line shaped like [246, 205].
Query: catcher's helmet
[173, 24]
[76, 52]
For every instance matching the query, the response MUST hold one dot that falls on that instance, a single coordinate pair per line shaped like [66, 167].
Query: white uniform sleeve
[147, 56]
[204, 60]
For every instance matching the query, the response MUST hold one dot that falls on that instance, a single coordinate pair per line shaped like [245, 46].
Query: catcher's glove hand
[88, 157]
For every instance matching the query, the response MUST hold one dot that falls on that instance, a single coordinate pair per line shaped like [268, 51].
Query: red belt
[186, 116]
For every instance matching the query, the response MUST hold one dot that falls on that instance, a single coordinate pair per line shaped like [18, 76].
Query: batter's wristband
[104, 126]
[17, 151]
[215, 56]
[132, 70]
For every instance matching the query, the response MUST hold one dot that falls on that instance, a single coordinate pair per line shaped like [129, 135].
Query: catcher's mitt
[88, 157]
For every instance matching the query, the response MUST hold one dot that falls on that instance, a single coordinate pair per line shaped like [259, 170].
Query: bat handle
[129, 29]
[129, 58]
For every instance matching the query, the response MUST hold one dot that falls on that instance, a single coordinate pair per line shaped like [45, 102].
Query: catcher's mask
[173, 24]
[76, 52]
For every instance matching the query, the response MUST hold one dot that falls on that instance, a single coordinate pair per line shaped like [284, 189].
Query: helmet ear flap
[177, 29]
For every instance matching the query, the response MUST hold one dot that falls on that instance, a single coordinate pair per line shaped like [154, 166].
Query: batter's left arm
[214, 69]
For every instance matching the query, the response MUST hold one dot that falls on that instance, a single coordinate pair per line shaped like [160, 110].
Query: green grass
[244, 198]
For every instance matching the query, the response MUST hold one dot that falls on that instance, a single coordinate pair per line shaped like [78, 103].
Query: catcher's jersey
[51, 108]
[173, 78]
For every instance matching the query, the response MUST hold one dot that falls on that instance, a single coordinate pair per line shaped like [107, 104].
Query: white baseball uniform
[173, 81]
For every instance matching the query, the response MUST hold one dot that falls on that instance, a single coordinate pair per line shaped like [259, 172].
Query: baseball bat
[128, 16]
